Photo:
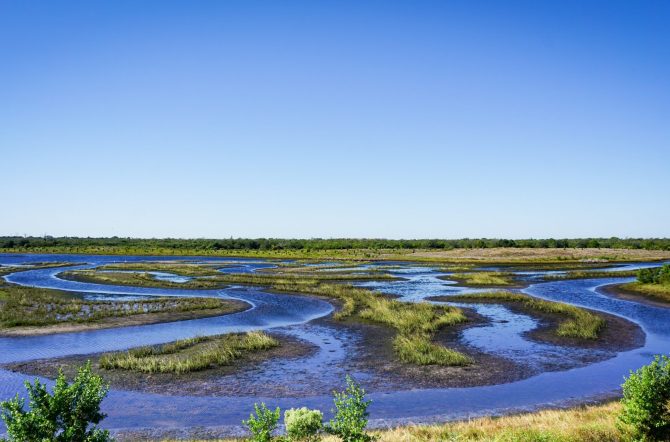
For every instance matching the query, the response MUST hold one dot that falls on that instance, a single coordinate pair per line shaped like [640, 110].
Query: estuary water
[294, 315]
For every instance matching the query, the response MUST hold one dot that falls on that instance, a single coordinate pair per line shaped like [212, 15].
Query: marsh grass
[138, 278]
[580, 323]
[182, 269]
[188, 355]
[482, 278]
[581, 274]
[415, 323]
[658, 292]
[29, 306]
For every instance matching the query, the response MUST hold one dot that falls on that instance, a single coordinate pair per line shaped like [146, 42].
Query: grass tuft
[188, 355]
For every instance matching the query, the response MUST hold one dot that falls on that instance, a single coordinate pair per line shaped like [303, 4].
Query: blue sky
[398, 119]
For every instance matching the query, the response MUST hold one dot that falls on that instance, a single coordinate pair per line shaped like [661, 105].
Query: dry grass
[510, 255]
[581, 424]
[584, 424]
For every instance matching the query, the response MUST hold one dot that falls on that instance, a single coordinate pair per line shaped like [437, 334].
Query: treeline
[31, 242]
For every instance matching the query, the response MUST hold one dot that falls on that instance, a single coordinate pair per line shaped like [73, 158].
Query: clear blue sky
[399, 119]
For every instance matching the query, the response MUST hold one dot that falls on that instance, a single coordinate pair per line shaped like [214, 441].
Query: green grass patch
[581, 274]
[657, 292]
[182, 269]
[138, 275]
[188, 355]
[415, 323]
[481, 278]
[580, 323]
[138, 278]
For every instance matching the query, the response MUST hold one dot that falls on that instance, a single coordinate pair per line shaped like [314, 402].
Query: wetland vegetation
[482, 279]
[32, 310]
[652, 283]
[204, 277]
[189, 355]
[579, 323]
[589, 274]
[417, 335]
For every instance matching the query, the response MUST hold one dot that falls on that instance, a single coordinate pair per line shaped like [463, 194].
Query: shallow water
[291, 314]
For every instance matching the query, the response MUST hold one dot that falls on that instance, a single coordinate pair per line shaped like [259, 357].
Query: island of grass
[34, 311]
[483, 279]
[589, 274]
[202, 276]
[188, 355]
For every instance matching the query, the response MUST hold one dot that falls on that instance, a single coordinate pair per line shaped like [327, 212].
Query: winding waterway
[294, 314]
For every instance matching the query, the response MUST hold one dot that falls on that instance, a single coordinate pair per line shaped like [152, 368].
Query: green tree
[70, 414]
[263, 424]
[351, 414]
[646, 401]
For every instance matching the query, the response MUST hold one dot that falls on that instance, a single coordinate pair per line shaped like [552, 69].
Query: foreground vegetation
[188, 355]
[580, 323]
[642, 415]
[72, 414]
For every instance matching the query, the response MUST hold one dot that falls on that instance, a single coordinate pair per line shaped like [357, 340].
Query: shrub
[655, 275]
[351, 415]
[646, 401]
[263, 424]
[303, 424]
[71, 414]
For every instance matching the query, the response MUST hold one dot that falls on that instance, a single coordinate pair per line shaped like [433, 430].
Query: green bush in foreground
[351, 414]
[71, 414]
[646, 401]
[263, 424]
[303, 424]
